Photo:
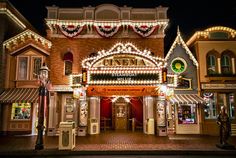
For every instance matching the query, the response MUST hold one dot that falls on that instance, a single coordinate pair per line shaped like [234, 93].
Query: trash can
[67, 136]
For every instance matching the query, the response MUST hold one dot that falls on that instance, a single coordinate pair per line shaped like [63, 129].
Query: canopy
[187, 99]
[14, 95]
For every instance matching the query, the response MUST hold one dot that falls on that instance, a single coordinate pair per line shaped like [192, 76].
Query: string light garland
[205, 34]
[109, 28]
[179, 41]
[27, 34]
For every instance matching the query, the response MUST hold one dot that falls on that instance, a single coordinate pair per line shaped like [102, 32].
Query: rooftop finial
[178, 32]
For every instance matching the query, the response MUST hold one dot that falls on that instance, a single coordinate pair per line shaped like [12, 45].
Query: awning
[187, 99]
[14, 95]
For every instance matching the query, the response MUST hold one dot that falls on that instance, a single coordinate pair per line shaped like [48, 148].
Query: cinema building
[107, 69]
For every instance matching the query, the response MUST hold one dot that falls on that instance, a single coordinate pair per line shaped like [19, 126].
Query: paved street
[116, 143]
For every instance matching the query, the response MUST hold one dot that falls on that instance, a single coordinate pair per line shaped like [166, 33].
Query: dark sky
[190, 15]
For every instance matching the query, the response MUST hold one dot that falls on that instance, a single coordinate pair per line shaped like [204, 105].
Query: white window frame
[29, 66]
[32, 65]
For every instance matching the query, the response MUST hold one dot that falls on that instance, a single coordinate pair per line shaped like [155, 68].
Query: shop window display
[210, 106]
[21, 111]
[231, 105]
[187, 114]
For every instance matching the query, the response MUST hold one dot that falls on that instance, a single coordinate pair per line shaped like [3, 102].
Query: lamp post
[43, 92]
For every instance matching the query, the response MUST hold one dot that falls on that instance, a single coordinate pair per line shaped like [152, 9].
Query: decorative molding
[179, 41]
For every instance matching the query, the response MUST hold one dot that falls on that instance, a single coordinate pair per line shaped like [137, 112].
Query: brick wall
[81, 48]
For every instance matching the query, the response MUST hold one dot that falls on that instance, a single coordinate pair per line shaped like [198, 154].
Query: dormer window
[68, 60]
[28, 67]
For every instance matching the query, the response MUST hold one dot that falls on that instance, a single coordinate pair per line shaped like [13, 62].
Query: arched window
[68, 60]
[211, 64]
[226, 64]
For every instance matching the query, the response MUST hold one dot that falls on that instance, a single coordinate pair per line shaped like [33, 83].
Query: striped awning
[187, 99]
[16, 95]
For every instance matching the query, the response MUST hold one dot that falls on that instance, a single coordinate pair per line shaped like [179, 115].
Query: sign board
[218, 86]
[119, 90]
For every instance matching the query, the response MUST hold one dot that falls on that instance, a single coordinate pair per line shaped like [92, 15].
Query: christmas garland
[144, 30]
[71, 30]
[107, 31]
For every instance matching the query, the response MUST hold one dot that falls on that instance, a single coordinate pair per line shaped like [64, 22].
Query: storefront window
[187, 114]
[231, 105]
[210, 107]
[21, 111]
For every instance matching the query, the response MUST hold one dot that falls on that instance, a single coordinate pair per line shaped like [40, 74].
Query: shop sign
[124, 76]
[118, 90]
[218, 86]
[123, 62]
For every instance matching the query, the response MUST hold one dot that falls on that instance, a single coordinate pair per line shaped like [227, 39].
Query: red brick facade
[81, 48]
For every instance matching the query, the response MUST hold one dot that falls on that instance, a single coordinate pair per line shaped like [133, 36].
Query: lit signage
[124, 76]
[123, 62]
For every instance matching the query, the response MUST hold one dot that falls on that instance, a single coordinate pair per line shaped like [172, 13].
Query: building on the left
[22, 52]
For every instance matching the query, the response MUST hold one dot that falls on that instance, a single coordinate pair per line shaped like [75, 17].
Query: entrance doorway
[121, 115]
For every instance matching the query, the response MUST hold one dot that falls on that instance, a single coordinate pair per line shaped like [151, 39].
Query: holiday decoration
[107, 30]
[144, 30]
[70, 31]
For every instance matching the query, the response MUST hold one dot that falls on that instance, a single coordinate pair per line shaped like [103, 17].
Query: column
[161, 116]
[148, 115]
[233, 65]
[94, 115]
[51, 115]
[219, 65]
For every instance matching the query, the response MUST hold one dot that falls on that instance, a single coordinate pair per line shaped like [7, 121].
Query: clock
[178, 65]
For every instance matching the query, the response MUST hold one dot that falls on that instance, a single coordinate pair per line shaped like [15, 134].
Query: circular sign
[178, 65]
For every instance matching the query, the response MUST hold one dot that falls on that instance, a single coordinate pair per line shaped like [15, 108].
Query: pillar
[94, 115]
[161, 116]
[219, 65]
[233, 65]
[148, 115]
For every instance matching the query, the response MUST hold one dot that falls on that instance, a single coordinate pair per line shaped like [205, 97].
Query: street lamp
[43, 93]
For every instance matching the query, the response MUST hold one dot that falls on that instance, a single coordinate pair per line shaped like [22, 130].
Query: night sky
[190, 15]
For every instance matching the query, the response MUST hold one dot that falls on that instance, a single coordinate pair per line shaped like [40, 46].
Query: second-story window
[28, 67]
[211, 64]
[225, 64]
[37, 63]
[68, 60]
[23, 64]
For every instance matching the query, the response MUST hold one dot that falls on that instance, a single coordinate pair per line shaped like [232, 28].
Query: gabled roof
[179, 41]
[23, 38]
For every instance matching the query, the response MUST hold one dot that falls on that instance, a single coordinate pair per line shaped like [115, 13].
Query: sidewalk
[118, 143]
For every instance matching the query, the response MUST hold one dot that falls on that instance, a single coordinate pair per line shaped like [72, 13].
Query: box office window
[21, 111]
[187, 114]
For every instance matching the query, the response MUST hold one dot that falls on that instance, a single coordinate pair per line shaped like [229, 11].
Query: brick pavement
[117, 141]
